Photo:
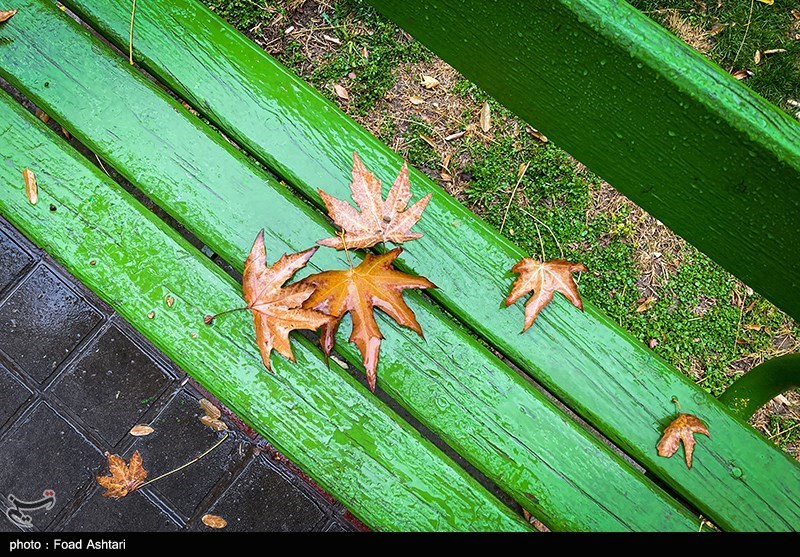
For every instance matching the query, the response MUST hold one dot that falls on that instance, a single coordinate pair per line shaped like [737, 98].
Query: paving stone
[263, 500]
[133, 513]
[111, 385]
[13, 394]
[178, 438]
[42, 322]
[13, 261]
[45, 452]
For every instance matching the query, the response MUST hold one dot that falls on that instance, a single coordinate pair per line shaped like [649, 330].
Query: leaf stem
[130, 34]
[195, 459]
[513, 194]
[744, 38]
[208, 319]
[346, 252]
[550, 230]
[677, 404]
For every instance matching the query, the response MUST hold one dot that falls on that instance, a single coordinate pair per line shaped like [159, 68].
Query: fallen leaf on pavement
[5, 15]
[214, 521]
[210, 409]
[213, 423]
[124, 478]
[141, 430]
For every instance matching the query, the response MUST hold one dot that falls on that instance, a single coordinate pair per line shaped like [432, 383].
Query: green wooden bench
[344, 437]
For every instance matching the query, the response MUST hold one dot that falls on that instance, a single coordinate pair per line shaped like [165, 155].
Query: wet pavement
[74, 379]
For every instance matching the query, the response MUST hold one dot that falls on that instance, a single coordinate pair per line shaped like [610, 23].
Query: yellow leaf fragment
[214, 521]
[341, 92]
[216, 425]
[486, 117]
[210, 409]
[31, 188]
[429, 82]
[141, 430]
[5, 15]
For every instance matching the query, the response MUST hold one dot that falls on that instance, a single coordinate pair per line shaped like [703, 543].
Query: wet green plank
[587, 360]
[339, 434]
[485, 410]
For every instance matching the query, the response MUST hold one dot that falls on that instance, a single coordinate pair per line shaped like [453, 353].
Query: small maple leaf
[373, 283]
[124, 478]
[544, 280]
[276, 308]
[683, 429]
[378, 220]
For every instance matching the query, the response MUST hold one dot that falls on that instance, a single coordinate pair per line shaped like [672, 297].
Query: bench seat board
[321, 418]
[485, 410]
[597, 369]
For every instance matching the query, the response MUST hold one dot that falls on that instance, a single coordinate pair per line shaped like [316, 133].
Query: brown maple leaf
[276, 308]
[378, 220]
[374, 283]
[683, 429]
[544, 279]
[124, 478]
[5, 15]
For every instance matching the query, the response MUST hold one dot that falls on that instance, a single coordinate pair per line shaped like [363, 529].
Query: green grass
[356, 26]
[777, 77]
[697, 326]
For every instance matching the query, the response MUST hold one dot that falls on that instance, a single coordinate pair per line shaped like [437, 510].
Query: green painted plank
[586, 359]
[485, 410]
[322, 419]
[664, 125]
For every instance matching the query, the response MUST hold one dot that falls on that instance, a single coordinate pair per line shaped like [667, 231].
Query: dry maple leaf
[374, 283]
[378, 220]
[124, 478]
[683, 429]
[544, 280]
[276, 308]
[5, 15]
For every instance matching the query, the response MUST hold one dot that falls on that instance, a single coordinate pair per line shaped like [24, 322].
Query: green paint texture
[450, 383]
